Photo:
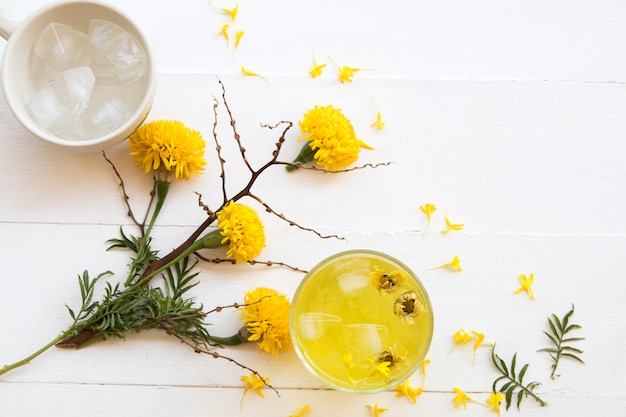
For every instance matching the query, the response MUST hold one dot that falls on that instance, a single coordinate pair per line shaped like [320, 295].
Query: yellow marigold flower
[460, 398]
[332, 142]
[406, 390]
[526, 283]
[428, 209]
[266, 315]
[452, 226]
[242, 229]
[376, 410]
[168, 148]
[494, 401]
[408, 305]
[301, 411]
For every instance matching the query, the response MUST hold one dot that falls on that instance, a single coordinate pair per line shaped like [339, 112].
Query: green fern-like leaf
[559, 330]
[513, 381]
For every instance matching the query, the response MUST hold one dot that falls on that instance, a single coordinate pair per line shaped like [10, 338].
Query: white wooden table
[509, 115]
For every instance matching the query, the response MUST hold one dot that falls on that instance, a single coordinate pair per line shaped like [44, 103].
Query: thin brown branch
[281, 139]
[216, 355]
[327, 171]
[206, 208]
[236, 135]
[291, 222]
[122, 185]
[251, 262]
[218, 148]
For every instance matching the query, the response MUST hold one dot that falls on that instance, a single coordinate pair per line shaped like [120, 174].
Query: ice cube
[118, 48]
[352, 281]
[364, 340]
[49, 111]
[74, 86]
[105, 112]
[56, 106]
[315, 325]
[60, 46]
[101, 32]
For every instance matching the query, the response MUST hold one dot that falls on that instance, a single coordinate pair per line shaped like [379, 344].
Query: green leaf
[559, 329]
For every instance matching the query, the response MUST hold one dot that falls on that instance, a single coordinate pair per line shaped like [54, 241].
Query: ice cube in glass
[315, 325]
[50, 111]
[117, 48]
[60, 46]
[74, 87]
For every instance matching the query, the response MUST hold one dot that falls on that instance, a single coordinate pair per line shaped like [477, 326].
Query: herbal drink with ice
[362, 322]
[100, 64]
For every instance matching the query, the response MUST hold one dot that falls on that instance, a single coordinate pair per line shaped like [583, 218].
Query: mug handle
[8, 23]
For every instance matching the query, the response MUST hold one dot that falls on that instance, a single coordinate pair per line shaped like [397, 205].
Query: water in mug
[87, 83]
[362, 323]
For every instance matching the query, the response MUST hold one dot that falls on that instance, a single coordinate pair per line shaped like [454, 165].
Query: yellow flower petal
[168, 146]
[526, 285]
[266, 315]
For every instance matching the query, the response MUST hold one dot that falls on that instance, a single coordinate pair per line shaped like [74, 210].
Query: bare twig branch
[236, 135]
[141, 226]
[218, 148]
[251, 262]
[281, 139]
[291, 222]
[326, 171]
[216, 355]
[206, 208]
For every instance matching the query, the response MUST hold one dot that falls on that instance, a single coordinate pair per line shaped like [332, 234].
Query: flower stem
[28, 359]
[306, 155]
[162, 189]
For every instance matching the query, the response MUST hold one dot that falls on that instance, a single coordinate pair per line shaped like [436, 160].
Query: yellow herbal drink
[361, 321]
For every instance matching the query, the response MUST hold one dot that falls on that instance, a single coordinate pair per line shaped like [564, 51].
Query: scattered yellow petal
[425, 362]
[452, 226]
[346, 73]
[460, 398]
[428, 209]
[249, 73]
[231, 12]
[238, 36]
[526, 283]
[347, 361]
[382, 367]
[253, 383]
[494, 401]
[455, 265]
[461, 337]
[376, 410]
[480, 337]
[301, 412]
[317, 68]
[224, 32]
[406, 390]
[379, 124]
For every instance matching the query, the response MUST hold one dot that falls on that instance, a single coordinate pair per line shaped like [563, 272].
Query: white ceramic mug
[16, 61]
